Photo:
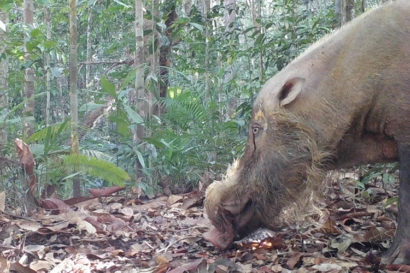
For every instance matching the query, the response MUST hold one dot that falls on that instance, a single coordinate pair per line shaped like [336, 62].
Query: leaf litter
[114, 232]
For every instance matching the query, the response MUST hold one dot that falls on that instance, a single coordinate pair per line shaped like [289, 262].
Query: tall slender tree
[345, 9]
[260, 29]
[29, 74]
[3, 76]
[47, 21]
[165, 49]
[138, 98]
[206, 6]
[73, 90]
[88, 52]
[229, 14]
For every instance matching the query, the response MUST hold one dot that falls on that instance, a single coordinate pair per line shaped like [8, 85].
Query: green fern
[184, 108]
[50, 133]
[97, 167]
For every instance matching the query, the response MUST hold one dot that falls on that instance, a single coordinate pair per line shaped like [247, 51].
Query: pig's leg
[399, 252]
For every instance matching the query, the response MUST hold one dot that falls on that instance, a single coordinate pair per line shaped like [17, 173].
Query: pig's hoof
[397, 255]
[219, 239]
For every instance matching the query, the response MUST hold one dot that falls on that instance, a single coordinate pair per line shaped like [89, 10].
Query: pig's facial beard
[250, 197]
[272, 178]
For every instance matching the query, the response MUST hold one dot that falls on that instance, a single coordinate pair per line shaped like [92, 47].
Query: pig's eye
[256, 130]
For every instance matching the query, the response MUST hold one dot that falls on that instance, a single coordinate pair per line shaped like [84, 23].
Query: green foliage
[383, 172]
[190, 138]
[50, 135]
[97, 168]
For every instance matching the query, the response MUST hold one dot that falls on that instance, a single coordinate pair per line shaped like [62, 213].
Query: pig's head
[280, 161]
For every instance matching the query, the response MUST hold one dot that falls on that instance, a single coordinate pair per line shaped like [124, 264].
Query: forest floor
[123, 234]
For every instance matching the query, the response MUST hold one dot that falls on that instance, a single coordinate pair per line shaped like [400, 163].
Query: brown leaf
[76, 200]
[26, 160]
[105, 191]
[187, 267]
[294, 260]
[221, 269]
[330, 227]
[398, 267]
[93, 220]
[4, 267]
[21, 268]
[172, 199]
[55, 204]
[376, 234]
[46, 266]
[153, 204]
[161, 259]
[195, 200]
[277, 268]
[28, 225]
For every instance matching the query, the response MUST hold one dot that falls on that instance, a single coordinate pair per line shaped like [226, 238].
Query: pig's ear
[290, 90]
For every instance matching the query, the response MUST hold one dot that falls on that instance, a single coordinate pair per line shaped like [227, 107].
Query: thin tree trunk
[154, 47]
[229, 14]
[165, 50]
[47, 61]
[88, 53]
[73, 90]
[60, 110]
[187, 7]
[259, 26]
[3, 78]
[345, 8]
[363, 6]
[229, 20]
[138, 98]
[349, 10]
[206, 5]
[29, 76]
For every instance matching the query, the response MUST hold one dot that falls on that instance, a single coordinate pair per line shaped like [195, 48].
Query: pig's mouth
[237, 220]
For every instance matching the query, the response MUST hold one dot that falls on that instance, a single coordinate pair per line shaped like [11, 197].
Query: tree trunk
[3, 77]
[164, 61]
[229, 14]
[154, 60]
[138, 97]
[73, 90]
[187, 7]
[363, 6]
[88, 53]
[29, 76]
[345, 9]
[349, 10]
[259, 26]
[60, 113]
[229, 21]
[206, 6]
[47, 22]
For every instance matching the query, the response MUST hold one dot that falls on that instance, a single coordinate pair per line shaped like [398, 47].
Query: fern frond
[97, 167]
[97, 154]
[49, 131]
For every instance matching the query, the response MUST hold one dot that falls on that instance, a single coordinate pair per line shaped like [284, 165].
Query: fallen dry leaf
[172, 199]
[187, 267]
[105, 191]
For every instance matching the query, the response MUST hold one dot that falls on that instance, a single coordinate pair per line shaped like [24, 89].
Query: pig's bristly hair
[282, 181]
